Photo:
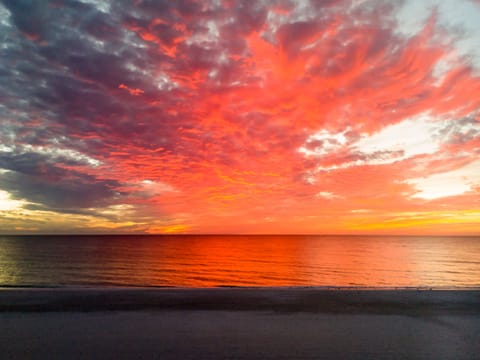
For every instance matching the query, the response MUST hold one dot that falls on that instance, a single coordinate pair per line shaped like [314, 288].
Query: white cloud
[117, 210]
[7, 203]
[327, 143]
[361, 211]
[101, 5]
[62, 152]
[328, 195]
[420, 135]
[4, 18]
[451, 183]
[409, 138]
[154, 187]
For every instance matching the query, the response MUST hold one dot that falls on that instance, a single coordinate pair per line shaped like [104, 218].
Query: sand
[289, 323]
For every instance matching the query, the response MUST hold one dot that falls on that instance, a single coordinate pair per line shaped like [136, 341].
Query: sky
[230, 116]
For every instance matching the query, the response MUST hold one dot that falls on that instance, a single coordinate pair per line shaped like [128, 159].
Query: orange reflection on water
[277, 260]
[359, 261]
[207, 261]
[244, 260]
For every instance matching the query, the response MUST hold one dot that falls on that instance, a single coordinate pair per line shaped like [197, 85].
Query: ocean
[239, 260]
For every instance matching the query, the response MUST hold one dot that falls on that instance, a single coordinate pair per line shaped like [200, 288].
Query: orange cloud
[269, 118]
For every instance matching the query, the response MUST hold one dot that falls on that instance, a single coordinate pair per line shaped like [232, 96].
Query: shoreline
[411, 301]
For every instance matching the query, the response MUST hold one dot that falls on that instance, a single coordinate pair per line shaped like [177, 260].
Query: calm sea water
[206, 261]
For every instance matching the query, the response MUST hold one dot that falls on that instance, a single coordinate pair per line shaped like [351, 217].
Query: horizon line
[237, 234]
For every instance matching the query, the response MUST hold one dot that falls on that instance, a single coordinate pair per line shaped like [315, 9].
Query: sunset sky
[224, 116]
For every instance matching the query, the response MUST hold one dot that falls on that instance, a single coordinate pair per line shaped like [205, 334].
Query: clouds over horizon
[226, 116]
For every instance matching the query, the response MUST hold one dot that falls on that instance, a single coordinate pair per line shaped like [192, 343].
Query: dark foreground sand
[298, 323]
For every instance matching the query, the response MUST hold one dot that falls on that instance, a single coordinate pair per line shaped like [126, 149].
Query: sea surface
[226, 260]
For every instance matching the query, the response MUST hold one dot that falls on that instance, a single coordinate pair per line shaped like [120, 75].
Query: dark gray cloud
[45, 182]
[61, 68]
[30, 17]
[66, 65]
[60, 78]
[459, 132]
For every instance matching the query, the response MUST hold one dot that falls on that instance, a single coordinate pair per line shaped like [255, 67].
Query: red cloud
[231, 94]
[311, 75]
[134, 92]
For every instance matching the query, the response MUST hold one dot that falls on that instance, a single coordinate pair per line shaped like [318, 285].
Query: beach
[239, 323]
